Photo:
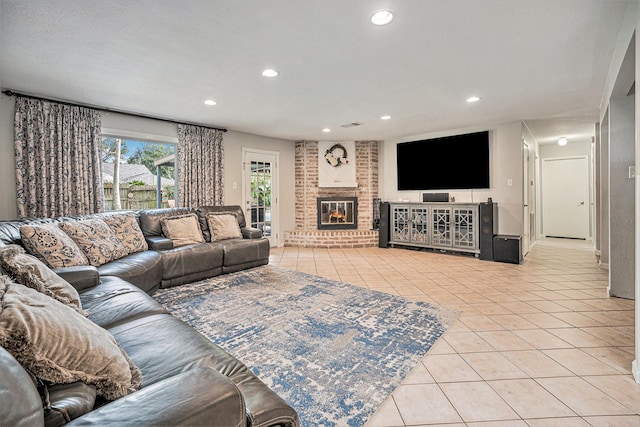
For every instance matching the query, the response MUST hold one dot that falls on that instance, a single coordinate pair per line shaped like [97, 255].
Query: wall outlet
[509, 183]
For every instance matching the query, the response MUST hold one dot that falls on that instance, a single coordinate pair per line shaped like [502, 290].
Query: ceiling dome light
[210, 102]
[562, 141]
[473, 99]
[326, 130]
[381, 17]
[269, 73]
[385, 117]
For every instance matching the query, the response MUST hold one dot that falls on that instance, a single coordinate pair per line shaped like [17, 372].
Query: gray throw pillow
[223, 226]
[30, 271]
[56, 344]
[182, 229]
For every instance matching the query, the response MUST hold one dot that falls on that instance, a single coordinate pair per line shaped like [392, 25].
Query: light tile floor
[537, 344]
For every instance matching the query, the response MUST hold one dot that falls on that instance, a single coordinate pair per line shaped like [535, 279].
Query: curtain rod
[9, 92]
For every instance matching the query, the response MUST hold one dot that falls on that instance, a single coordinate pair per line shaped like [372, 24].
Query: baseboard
[604, 265]
[635, 369]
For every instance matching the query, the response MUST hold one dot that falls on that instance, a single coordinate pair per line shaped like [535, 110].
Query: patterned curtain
[57, 149]
[200, 166]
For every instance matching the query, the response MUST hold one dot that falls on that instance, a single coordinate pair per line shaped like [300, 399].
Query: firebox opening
[337, 213]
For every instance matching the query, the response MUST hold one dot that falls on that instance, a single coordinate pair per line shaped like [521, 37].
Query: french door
[260, 192]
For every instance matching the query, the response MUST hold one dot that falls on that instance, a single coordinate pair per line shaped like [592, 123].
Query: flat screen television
[459, 162]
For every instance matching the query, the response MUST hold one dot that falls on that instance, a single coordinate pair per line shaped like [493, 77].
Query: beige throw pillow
[95, 239]
[51, 245]
[127, 231]
[182, 229]
[57, 344]
[223, 226]
[30, 271]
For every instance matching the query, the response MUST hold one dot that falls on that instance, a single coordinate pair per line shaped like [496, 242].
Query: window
[145, 171]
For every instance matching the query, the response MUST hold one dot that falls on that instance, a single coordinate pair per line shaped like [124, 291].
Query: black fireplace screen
[337, 213]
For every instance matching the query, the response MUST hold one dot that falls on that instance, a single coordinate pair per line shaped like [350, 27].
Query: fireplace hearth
[337, 213]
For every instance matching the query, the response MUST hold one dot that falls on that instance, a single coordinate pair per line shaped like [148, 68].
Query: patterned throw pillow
[51, 245]
[30, 271]
[57, 344]
[182, 229]
[223, 226]
[127, 231]
[95, 239]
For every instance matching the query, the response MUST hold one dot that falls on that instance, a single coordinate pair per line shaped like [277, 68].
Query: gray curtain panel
[200, 166]
[57, 148]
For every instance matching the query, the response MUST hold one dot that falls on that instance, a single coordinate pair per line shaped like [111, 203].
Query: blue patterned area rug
[333, 351]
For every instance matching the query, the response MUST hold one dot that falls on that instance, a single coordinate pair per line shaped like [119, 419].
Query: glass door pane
[260, 179]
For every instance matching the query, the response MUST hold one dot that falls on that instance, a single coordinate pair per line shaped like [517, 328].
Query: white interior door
[526, 238]
[565, 197]
[260, 192]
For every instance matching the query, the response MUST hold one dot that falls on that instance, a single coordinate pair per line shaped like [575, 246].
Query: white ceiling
[531, 60]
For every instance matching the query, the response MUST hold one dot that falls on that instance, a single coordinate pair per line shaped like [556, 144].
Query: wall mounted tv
[459, 162]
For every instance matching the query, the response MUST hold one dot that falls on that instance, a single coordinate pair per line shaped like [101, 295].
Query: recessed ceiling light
[210, 102]
[473, 99]
[562, 141]
[269, 73]
[326, 130]
[381, 17]
[385, 117]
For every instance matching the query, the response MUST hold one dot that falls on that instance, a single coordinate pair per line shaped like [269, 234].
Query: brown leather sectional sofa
[186, 378]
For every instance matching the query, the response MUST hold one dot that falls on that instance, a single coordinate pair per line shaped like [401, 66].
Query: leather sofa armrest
[159, 243]
[251, 233]
[198, 397]
[81, 277]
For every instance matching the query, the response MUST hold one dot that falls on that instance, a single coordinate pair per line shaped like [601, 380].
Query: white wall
[629, 27]
[505, 152]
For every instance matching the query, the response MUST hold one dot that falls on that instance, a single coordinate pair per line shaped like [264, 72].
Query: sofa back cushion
[30, 271]
[51, 245]
[202, 212]
[96, 240]
[150, 219]
[59, 345]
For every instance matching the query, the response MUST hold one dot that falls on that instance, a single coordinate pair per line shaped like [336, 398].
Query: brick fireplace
[307, 193]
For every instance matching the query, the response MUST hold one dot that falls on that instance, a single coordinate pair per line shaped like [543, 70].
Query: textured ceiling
[528, 60]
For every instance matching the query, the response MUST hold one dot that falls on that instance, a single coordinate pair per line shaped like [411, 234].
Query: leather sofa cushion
[143, 269]
[68, 402]
[238, 251]
[186, 260]
[150, 219]
[22, 405]
[115, 301]
[202, 212]
[198, 397]
[151, 343]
